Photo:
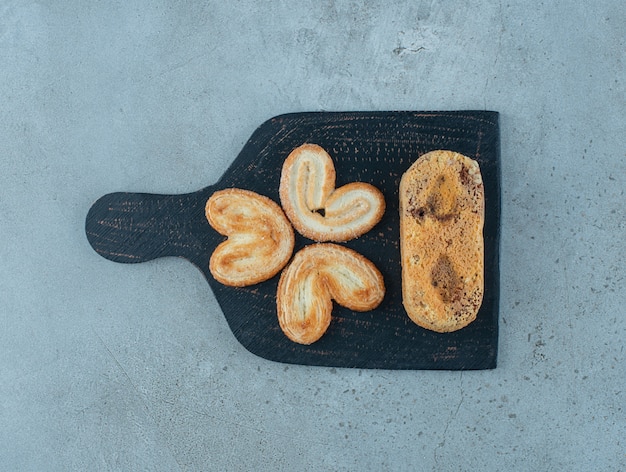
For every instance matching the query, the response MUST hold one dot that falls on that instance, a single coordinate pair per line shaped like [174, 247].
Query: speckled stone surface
[107, 366]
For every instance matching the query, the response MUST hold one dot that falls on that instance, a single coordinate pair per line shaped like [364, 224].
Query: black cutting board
[373, 147]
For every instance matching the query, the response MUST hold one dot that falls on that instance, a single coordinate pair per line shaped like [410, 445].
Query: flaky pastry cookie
[260, 238]
[316, 208]
[317, 275]
[441, 240]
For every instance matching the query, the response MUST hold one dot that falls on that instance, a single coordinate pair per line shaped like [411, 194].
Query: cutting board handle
[138, 227]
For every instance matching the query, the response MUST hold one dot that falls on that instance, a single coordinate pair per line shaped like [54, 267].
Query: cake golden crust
[441, 240]
[260, 238]
[317, 275]
[317, 209]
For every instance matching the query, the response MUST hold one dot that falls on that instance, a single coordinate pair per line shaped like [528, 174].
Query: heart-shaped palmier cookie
[317, 209]
[260, 238]
[317, 275]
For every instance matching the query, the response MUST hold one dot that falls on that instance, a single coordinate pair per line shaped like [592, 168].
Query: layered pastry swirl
[317, 275]
[317, 209]
[260, 238]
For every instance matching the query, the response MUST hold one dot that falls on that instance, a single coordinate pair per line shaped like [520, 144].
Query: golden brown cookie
[441, 240]
[317, 275]
[260, 238]
[316, 208]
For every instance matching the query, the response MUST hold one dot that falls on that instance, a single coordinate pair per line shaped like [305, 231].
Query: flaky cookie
[260, 238]
[317, 275]
[316, 208]
[441, 240]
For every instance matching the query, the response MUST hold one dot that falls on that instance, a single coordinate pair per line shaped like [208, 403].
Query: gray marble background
[107, 366]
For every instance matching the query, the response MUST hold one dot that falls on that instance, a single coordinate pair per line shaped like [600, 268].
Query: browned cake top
[441, 222]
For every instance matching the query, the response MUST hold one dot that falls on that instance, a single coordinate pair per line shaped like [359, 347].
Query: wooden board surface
[374, 147]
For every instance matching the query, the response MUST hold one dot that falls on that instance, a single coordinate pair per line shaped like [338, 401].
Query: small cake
[441, 240]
